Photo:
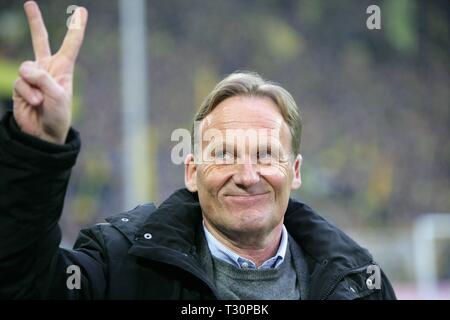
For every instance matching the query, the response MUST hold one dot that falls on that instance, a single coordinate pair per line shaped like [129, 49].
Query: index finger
[74, 36]
[39, 35]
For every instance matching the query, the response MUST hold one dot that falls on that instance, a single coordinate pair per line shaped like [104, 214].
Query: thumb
[41, 79]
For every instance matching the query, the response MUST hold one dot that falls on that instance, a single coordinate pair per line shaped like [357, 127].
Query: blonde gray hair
[246, 83]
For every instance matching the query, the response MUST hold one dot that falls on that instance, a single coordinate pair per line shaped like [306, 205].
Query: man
[233, 233]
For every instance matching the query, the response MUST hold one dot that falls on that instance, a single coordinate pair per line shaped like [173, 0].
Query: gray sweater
[287, 282]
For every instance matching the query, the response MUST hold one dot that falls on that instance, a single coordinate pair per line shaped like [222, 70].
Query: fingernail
[26, 71]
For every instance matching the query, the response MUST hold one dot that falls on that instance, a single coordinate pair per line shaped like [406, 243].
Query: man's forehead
[238, 123]
[245, 113]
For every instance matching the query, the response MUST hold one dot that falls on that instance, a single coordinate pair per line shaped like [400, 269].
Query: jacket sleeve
[33, 180]
[387, 291]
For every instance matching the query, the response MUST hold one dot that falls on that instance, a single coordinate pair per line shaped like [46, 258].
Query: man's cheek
[206, 177]
[206, 169]
[274, 172]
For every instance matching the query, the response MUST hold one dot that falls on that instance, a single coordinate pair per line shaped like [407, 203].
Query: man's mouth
[247, 199]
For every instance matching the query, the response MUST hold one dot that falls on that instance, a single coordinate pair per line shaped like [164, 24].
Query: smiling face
[244, 188]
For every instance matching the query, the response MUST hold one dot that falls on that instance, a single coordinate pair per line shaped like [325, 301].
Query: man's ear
[190, 173]
[297, 178]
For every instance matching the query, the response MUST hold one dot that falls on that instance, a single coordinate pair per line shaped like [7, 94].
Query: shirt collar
[220, 251]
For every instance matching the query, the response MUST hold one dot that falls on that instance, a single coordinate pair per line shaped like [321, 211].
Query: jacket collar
[174, 225]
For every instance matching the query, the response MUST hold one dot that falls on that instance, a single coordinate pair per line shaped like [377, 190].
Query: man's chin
[250, 220]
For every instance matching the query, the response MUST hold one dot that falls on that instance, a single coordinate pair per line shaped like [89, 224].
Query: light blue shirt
[221, 252]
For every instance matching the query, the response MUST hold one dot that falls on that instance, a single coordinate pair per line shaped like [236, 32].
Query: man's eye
[266, 157]
[223, 155]
[264, 154]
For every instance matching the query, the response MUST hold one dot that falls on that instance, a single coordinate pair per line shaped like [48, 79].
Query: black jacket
[145, 253]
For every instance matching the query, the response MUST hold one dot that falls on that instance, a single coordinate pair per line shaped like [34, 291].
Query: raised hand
[43, 92]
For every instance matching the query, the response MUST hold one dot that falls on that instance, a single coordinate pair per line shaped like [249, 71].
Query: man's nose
[246, 175]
